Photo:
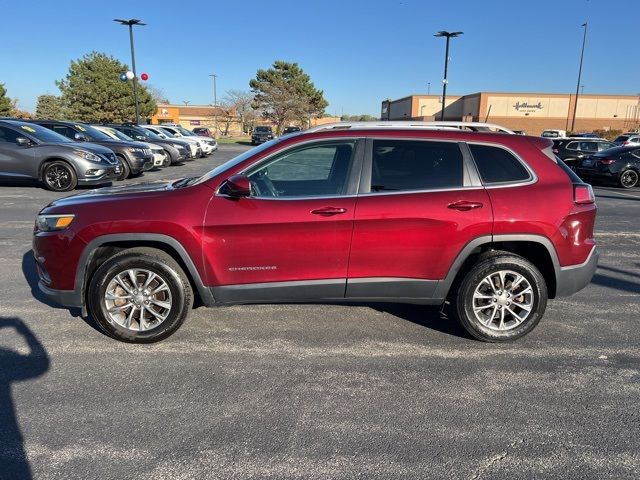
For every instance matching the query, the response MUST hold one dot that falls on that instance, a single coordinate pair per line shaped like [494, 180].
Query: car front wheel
[501, 298]
[140, 295]
[60, 177]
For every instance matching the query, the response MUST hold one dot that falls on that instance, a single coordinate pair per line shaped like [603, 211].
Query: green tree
[50, 107]
[5, 102]
[93, 92]
[284, 93]
[358, 118]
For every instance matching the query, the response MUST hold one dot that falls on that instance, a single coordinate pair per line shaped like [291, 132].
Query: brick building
[191, 116]
[531, 112]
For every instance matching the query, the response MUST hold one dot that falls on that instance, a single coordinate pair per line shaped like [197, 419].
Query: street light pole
[215, 93]
[428, 88]
[449, 36]
[575, 105]
[131, 23]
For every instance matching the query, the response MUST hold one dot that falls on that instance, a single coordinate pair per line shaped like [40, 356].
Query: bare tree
[157, 94]
[241, 101]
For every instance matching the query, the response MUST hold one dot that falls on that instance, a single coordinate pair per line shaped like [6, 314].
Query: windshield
[185, 132]
[166, 132]
[41, 133]
[147, 134]
[236, 160]
[92, 132]
[120, 135]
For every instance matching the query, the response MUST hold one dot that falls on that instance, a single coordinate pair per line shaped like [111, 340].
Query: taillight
[607, 161]
[583, 194]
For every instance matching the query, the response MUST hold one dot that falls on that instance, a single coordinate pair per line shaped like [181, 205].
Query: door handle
[329, 211]
[464, 206]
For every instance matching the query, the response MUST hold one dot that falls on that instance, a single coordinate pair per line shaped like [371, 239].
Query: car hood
[120, 143]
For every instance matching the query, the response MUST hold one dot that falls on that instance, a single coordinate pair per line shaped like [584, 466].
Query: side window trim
[532, 175]
[469, 170]
[353, 175]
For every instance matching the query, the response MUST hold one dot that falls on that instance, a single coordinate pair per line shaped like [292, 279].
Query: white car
[160, 158]
[196, 148]
[209, 145]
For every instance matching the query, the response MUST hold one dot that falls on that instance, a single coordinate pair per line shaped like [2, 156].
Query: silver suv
[30, 151]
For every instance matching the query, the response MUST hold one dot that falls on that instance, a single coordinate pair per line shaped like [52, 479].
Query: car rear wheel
[628, 178]
[59, 176]
[140, 295]
[501, 298]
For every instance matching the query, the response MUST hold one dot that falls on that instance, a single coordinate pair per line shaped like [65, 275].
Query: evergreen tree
[93, 92]
[6, 107]
[50, 107]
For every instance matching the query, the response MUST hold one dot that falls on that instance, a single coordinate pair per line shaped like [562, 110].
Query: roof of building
[197, 110]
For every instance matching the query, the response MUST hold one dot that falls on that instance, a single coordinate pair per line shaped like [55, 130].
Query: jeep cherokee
[494, 223]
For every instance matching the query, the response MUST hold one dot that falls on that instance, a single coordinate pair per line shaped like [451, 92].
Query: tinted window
[572, 146]
[605, 145]
[311, 171]
[63, 130]
[399, 165]
[621, 138]
[8, 135]
[497, 165]
[588, 146]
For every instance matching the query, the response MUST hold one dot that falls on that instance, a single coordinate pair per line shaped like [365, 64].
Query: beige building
[531, 112]
[191, 116]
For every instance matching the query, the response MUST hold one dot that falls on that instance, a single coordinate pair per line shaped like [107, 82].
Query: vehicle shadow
[16, 367]
[31, 276]
[22, 183]
[636, 199]
[616, 283]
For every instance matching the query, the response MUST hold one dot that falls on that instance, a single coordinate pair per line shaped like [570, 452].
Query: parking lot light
[449, 36]
[131, 23]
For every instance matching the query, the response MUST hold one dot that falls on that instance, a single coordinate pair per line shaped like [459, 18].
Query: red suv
[494, 223]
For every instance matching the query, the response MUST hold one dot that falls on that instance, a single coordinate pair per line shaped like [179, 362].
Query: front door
[420, 204]
[290, 240]
[15, 160]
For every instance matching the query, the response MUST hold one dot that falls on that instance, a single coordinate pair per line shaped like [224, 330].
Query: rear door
[420, 203]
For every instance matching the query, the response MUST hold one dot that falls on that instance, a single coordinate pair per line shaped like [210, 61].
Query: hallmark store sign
[527, 107]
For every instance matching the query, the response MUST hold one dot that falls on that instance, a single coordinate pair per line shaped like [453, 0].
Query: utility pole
[428, 88]
[131, 23]
[448, 36]
[215, 93]
[575, 105]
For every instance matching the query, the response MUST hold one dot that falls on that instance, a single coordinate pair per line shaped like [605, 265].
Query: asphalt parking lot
[322, 391]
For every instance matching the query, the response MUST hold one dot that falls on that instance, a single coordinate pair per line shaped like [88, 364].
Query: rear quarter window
[497, 165]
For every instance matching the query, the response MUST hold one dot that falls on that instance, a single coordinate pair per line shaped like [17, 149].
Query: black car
[291, 130]
[135, 157]
[178, 150]
[261, 134]
[619, 165]
[573, 150]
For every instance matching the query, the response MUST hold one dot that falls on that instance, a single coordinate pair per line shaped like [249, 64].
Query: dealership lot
[323, 391]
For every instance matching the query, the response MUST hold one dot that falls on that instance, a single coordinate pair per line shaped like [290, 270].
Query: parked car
[203, 132]
[261, 134]
[584, 135]
[160, 157]
[207, 145]
[363, 214]
[135, 157]
[178, 150]
[194, 146]
[619, 165]
[573, 151]
[32, 151]
[288, 130]
[554, 134]
[628, 139]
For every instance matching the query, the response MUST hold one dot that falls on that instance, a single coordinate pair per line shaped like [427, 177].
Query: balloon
[129, 75]
[123, 77]
[144, 76]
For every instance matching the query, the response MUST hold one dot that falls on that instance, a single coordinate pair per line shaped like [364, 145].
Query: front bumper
[66, 298]
[141, 163]
[110, 174]
[574, 278]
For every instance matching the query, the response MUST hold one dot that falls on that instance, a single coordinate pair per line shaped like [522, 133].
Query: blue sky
[359, 52]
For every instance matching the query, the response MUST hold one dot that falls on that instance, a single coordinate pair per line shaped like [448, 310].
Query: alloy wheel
[629, 178]
[58, 177]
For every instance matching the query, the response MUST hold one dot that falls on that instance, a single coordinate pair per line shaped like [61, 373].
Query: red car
[203, 132]
[492, 222]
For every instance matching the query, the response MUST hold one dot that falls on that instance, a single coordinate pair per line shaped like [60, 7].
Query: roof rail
[447, 125]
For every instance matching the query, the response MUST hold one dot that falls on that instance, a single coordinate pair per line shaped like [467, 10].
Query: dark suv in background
[135, 157]
[261, 134]
[31, 151]
[573, 150]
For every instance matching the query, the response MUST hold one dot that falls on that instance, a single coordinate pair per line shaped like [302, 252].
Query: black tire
[628, 178]
[59, 176]
[126, 170]
[536, 301]
[167, 160]
[148, 259]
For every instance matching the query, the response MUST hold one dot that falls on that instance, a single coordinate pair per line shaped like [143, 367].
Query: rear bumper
[574, 278]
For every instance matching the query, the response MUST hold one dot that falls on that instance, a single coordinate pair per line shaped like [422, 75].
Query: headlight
[92, 157]
[53, 223]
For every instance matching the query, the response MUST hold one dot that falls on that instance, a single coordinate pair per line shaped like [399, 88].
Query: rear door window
[497, 165]
[588, 146]
[405, 165]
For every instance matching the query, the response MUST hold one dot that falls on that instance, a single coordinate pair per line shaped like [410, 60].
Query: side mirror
[238, 186]
[140, 137]
[79, 137]
[23, 142]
